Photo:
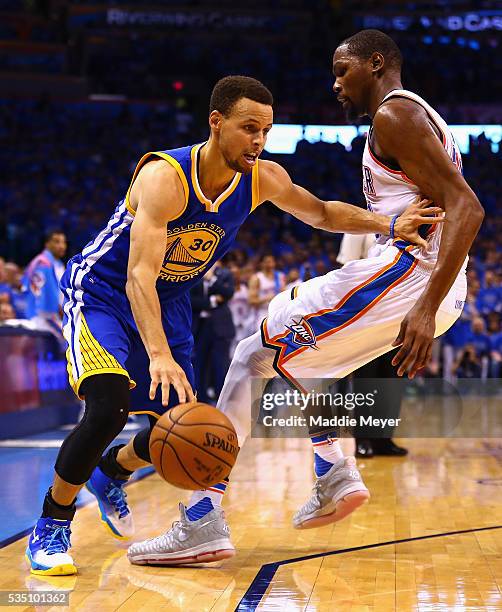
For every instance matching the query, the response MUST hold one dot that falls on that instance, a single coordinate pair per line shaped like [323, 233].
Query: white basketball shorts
[329, 326]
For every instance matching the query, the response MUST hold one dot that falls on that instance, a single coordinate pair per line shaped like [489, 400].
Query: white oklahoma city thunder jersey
[389, 191]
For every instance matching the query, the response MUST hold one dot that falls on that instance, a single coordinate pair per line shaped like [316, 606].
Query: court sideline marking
[257, 589]
[25, 532]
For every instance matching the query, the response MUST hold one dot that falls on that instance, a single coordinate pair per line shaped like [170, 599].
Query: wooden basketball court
[429, 540]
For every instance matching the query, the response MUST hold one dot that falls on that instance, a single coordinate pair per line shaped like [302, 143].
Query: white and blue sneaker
[112, 502]
[47, 550]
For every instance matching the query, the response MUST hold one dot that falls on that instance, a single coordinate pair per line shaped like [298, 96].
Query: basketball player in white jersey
[400, 295]
[239, 304]
[263, 287]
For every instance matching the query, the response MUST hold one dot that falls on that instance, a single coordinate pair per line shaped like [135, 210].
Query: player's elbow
[478, 211]
[136, 279]
[132, 277]
[475, 212]
[467, 209]
[130, 287]
[321, 219]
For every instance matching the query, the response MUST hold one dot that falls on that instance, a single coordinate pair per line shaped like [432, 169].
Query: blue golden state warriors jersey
[201, 234]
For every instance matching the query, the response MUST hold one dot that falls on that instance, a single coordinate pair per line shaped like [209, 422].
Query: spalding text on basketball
[214, 441]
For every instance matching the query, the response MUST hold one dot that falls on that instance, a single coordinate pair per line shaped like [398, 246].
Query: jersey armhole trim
[179, 170]
[400, 173]
[430, 117]
[255, 187]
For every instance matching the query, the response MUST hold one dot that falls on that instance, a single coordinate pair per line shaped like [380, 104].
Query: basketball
[193, 446]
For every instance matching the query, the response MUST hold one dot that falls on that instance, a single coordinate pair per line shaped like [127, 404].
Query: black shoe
[385, 446]
[364, 448]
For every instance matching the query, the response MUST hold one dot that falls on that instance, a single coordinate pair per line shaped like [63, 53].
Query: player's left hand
[415, 337]
[419, 213]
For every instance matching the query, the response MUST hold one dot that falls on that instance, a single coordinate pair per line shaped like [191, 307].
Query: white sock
[327, 451]
[205, 500]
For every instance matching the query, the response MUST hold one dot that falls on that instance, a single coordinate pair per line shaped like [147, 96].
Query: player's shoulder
[156, 170]
[396, 115]
[158, 188]
[267, 167]
[273, 179]
[160, 178]
[271, 172]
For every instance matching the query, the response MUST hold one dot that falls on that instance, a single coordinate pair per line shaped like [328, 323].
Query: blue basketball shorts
[102, 337]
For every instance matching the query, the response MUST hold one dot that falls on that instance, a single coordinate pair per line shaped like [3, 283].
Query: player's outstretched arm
[158, 197]
[276, 186]
[403, 133]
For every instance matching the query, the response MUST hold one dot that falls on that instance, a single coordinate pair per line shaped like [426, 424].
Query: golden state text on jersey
[195, 240]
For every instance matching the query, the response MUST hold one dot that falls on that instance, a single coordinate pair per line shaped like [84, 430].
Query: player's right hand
[419, 213]
[165, 371]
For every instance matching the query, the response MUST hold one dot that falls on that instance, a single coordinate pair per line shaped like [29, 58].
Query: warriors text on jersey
[201, 234]
[98, 322]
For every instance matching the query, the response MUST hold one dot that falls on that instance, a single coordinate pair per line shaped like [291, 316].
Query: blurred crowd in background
[77, 194]
[66, 156]
[175, 50]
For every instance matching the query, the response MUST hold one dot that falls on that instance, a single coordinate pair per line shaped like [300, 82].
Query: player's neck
[214, 174]
[379, 92]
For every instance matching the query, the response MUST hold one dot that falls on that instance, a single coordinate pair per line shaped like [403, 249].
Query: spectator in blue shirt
[14, 278]
[489, 298]
[478, 338]
[41, 281]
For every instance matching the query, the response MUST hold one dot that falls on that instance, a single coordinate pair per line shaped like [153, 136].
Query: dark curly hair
[231, 89]
[366, 42]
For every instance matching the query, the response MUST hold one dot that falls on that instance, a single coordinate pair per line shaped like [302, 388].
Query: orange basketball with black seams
[193, 446]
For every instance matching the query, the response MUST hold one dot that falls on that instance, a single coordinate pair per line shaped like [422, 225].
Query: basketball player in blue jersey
[127, 315]
[400, 295]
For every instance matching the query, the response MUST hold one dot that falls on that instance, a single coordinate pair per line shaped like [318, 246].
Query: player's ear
[215, 120]
[377, 62]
